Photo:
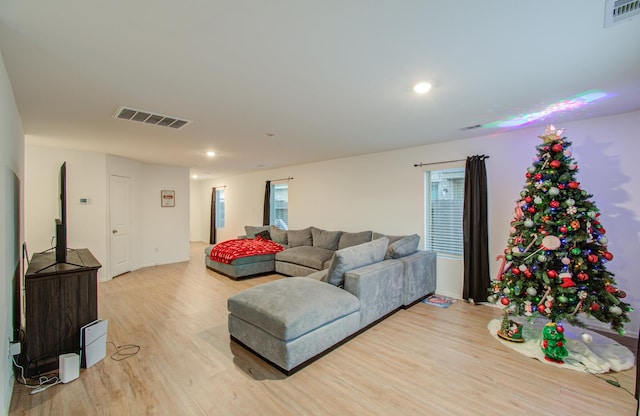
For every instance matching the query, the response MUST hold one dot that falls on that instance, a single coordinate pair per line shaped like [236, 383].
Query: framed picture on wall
[167, 198]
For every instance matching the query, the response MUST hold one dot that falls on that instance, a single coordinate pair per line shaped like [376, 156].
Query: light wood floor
[420, 361]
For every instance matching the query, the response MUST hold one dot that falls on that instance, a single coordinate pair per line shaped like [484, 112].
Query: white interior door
[120, 224]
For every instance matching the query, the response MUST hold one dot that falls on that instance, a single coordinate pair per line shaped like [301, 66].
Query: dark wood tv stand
[59, 300]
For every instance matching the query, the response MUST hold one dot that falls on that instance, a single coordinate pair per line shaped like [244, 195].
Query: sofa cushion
[289, 308]
[300, 237]
[325, 239]
[392, 238]
[313, 257]
[351, 258]
[353, 239]
[252, 230]
[278, 235]
[403, 247]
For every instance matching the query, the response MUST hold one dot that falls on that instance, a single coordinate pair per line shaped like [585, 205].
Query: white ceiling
[328, 78]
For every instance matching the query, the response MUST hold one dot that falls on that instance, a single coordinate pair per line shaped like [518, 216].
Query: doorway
[119, 225]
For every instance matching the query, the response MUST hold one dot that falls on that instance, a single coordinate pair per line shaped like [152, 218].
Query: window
[443, 207]
[220, 208]
[279, 214]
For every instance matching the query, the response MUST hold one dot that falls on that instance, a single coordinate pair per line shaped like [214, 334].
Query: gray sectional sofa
[306, 251]
[290, 322]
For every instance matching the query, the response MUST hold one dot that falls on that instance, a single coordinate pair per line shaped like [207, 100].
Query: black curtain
[475, 233]
[266, 212]
[212, 226]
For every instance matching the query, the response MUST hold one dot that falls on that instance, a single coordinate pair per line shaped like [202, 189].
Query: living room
[380, 191]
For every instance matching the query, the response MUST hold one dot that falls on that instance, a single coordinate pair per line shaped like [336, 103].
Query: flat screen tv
[61, 223]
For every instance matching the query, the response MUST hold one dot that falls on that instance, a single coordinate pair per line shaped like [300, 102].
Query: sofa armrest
[379, 288]
[419, 276]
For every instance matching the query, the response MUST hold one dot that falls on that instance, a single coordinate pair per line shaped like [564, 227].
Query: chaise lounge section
[293, 321]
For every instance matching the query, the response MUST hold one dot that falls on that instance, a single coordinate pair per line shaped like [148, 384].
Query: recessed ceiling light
[422, 87]
[211, 154]
[194, 176]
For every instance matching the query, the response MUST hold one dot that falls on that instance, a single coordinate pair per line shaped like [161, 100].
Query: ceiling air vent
[618, 11]
[475, 126]
[148, 117]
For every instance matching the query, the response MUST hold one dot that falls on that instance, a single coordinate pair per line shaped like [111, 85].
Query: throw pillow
[300, 237]
[353, 257]
[263, 235]
[325, 239]
[278, 235]
[252, 230]
[403, 247]
[353, 239]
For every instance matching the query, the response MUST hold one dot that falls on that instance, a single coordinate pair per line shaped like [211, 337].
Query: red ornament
[555, 164]
[528, 199]
[557, 147]
[595, 306]
[515, 271]
[527, 273]
[561, 186]
[554, 204]
[552, 274]
[573, 185]
[559, 329]
[592, 258]
[528, 175]
[601, 230]
[607, 255]
[537, 176]
[541, 308]
[563, 229]
[621, 294]
[610, 289]
[582, 276]
[531, 210]
[504, 301]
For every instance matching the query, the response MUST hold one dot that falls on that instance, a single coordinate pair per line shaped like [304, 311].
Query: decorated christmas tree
[555, 263]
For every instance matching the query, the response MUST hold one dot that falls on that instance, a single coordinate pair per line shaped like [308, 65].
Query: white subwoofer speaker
[69, 367]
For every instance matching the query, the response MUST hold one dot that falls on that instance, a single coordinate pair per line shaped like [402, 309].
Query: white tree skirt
[598, 356]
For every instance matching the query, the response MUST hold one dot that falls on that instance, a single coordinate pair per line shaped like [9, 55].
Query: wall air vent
[148, 117]
[619, 11]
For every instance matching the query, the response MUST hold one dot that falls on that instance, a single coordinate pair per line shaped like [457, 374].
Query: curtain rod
[417, 165]
[281, 179]
[220, 186]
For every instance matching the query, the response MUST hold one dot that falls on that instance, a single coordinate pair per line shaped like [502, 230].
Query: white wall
[11, 226]
[196, 227]
[165, 230]
[159, 235]
[85, 179]
[384, 192]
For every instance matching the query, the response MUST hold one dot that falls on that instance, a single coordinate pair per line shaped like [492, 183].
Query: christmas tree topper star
[551, 134]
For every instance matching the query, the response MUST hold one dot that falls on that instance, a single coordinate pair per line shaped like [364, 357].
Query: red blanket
[229, 250]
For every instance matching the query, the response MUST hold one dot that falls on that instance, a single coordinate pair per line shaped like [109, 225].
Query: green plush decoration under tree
[555, 263]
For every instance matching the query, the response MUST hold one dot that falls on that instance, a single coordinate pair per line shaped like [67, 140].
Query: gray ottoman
[243, 266]
[292, 320]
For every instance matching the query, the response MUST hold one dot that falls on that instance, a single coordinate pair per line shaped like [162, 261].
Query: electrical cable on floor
[122, 351]
[609, 379]
[44, 381]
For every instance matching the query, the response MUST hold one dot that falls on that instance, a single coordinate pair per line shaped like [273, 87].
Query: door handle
[114, 231]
